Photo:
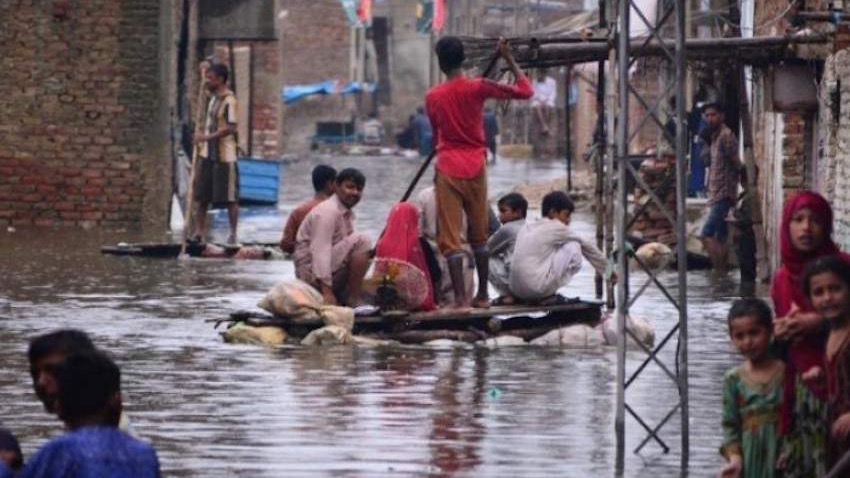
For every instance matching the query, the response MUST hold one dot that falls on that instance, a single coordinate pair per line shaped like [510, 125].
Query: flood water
[218, 410]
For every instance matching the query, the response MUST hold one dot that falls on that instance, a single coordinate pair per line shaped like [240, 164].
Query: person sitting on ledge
[329, 254]
[548, 253]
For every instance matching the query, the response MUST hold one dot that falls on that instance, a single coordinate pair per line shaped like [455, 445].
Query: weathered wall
[260, 113]
[84, 137]
[410, 57]
[834, 163]
[782, 140]
[315, 41]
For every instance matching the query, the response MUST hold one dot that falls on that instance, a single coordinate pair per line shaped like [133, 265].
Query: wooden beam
[757, 49]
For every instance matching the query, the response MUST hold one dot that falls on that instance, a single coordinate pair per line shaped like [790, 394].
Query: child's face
[508, 214]
[750, 337]
[830, 296]
[806, 231]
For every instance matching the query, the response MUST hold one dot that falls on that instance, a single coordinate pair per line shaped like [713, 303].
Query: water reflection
[217, 410]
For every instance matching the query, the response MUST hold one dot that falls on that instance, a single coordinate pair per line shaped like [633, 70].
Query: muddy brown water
[218, 410]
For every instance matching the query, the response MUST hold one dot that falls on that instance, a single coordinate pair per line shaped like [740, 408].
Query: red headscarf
[401, 241]
[787, 290]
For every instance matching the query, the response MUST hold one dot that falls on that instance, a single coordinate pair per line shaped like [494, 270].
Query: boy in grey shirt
[512, 211]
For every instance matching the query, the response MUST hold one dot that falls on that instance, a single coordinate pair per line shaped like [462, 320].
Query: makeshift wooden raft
[169, 250]
[524, 321]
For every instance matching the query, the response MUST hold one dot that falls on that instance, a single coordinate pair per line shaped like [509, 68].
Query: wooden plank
[169, 250]
[518, 316]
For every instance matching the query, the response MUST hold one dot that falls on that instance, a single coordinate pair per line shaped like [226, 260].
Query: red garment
[787, 289]
[400, 241]
[456, 111]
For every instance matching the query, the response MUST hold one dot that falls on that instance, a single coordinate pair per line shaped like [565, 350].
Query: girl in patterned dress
[752, 395]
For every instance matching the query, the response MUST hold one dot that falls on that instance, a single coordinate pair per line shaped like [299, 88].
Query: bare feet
[480, 302]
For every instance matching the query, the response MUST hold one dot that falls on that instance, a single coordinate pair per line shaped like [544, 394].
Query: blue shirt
[93, 452]
[5, 471]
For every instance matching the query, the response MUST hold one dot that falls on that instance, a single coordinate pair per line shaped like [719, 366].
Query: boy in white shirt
[548, 254]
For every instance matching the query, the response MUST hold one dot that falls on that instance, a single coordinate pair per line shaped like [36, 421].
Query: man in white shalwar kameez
[548, 253]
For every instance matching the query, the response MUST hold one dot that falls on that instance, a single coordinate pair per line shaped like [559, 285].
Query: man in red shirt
[456, 110]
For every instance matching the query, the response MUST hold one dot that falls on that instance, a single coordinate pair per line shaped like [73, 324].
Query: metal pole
[611, 147]
[681, 228]
[251, 99]
[622, 129]
[599, 141]
[568, 128]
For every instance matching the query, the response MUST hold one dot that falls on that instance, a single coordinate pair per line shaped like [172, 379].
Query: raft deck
[170, 250]
[525, 321]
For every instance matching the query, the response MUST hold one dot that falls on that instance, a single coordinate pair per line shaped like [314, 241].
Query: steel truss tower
[669, 21]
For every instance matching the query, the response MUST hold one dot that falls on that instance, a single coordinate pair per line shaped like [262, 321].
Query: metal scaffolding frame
[670, 20]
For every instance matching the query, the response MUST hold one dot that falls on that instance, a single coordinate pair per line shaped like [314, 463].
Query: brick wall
[83, 140]
[314, 39]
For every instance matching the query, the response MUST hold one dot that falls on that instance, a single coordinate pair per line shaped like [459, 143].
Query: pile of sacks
[584, 336]
[299, 302]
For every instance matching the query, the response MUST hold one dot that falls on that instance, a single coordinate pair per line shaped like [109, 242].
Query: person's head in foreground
[89, 390]
[349, 186]
[46, 353]
[826, 283]
[10, 451]
[558, 206]
[450, 54]
[512, 207]
[750, 323]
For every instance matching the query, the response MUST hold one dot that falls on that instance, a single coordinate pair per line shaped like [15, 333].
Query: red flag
[364, 12]
[439, 15]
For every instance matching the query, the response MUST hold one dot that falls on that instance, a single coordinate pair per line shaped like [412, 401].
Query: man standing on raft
[456, 110]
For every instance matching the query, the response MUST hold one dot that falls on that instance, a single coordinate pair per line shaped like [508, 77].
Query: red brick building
[85, 134]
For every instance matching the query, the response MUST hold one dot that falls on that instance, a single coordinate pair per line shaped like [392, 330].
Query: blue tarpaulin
[294, 93]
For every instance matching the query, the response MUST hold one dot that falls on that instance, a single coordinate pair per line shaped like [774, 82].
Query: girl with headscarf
[805, 235]
[399, 248]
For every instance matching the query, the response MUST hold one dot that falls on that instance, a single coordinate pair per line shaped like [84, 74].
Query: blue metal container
[259, 181]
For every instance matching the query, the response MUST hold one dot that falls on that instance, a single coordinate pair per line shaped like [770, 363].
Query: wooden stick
[190, 200]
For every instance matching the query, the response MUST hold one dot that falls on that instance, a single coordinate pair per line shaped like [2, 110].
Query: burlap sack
[328, 335]
[247, 334]
[294, 299]
[342, 317]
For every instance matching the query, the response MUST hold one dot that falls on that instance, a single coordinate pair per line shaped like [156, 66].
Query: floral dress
[751, 422]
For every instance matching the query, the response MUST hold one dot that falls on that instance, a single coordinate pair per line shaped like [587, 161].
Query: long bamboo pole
[190, 194]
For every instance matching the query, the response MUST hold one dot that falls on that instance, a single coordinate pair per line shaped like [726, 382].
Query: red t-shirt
[456, 110]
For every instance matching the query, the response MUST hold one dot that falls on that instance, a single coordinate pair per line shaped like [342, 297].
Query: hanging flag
[351, 12]
[439, 15]
[424, 15]
[364, 12]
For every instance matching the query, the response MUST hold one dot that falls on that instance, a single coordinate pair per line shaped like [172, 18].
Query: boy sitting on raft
[456, 111]
[512, 211]
[548, 253]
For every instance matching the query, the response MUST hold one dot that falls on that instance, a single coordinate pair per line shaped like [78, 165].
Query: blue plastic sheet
[294, 93]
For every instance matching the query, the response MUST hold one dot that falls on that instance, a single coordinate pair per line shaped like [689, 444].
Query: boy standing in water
[456, 110]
